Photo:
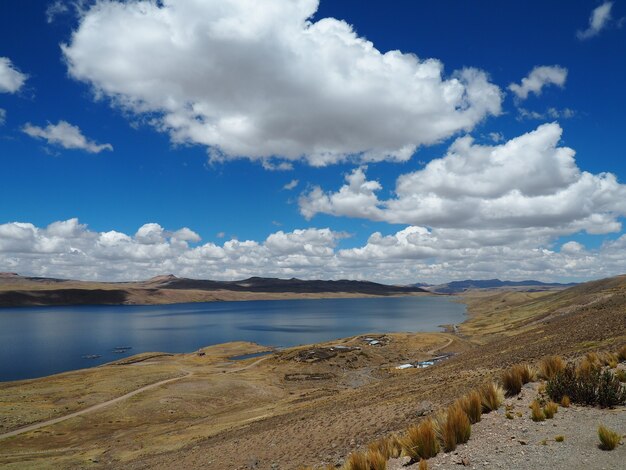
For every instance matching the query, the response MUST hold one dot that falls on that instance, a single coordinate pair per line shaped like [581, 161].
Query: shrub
[420, 442]
[472, 405]
[550, 366]
[608, 438]
[592, 387]
[550, 410]
[565, 401]
[536, 413]
[492, 396]
[559, 438]
[610, 390]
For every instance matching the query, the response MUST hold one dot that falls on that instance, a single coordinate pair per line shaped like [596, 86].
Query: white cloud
[550, 113]
[3, 116]
[261, 79]
[528, 182]
[291, 185]
[59, 7]
[66, 135]
[69, 249]
[496, 136]
[539, 77]
[599, 19]
[11, 79]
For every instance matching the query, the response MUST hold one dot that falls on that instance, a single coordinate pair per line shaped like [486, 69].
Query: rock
[465, 462]
[522, 442]
[424, 408]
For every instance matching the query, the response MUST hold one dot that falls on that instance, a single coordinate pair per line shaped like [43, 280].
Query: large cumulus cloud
[70, 249]
[529, 182]
[263, 80]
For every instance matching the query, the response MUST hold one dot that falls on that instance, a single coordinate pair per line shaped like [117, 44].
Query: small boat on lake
[91, 356]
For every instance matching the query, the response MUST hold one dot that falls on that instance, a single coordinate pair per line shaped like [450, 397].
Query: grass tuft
[621, 353]
[536, 413]
[609, 439]
[389, 447]
[456, 428]
[621, 375]
[423, 465]
[472, 405]
[550, 366]
[559, 438]
[492, 396]
[550, 410]
[565, 401]
[356, 461]
[420, 442]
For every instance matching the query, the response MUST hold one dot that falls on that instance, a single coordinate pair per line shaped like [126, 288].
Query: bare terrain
[308, 405]
[16, 290]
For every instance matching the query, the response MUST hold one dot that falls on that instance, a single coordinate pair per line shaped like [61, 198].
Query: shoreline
[442, 329]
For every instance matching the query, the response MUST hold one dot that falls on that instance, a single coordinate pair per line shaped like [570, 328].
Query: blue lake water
[39, 341]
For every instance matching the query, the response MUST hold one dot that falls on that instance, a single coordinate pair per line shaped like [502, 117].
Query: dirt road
[97, 407]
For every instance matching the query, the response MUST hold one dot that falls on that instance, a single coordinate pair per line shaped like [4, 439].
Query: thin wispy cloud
[291, 185]
[537, 79]
[599, 20]
[65, 135]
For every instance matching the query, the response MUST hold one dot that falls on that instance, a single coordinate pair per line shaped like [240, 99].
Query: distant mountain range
[16, 290]
[455, 287]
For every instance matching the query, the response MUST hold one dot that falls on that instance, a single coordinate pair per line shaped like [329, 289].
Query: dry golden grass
[420, 442]
[609, 359]
[472, 405]
[565, 401]
[456, 429]
[356, 461]
[587, 366]
[536, 413]
[559, 438]
[621, 353]
[491, 396]
[423, 465]
[609, 439]
[550, 410]
[550, 366]
[389, 446]
[376, 461]
[621, 375]
[512, 381]
[515, 377]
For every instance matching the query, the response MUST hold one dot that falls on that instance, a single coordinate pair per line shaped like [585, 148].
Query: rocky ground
[522, 444]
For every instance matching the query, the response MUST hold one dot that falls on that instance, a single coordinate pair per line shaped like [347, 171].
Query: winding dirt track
[97, 407]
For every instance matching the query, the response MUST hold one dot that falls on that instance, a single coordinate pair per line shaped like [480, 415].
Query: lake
[39, 341]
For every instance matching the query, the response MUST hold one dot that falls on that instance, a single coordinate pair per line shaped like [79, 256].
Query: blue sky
[205, 131]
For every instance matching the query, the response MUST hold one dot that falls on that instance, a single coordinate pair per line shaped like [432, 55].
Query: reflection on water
[41, 341]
